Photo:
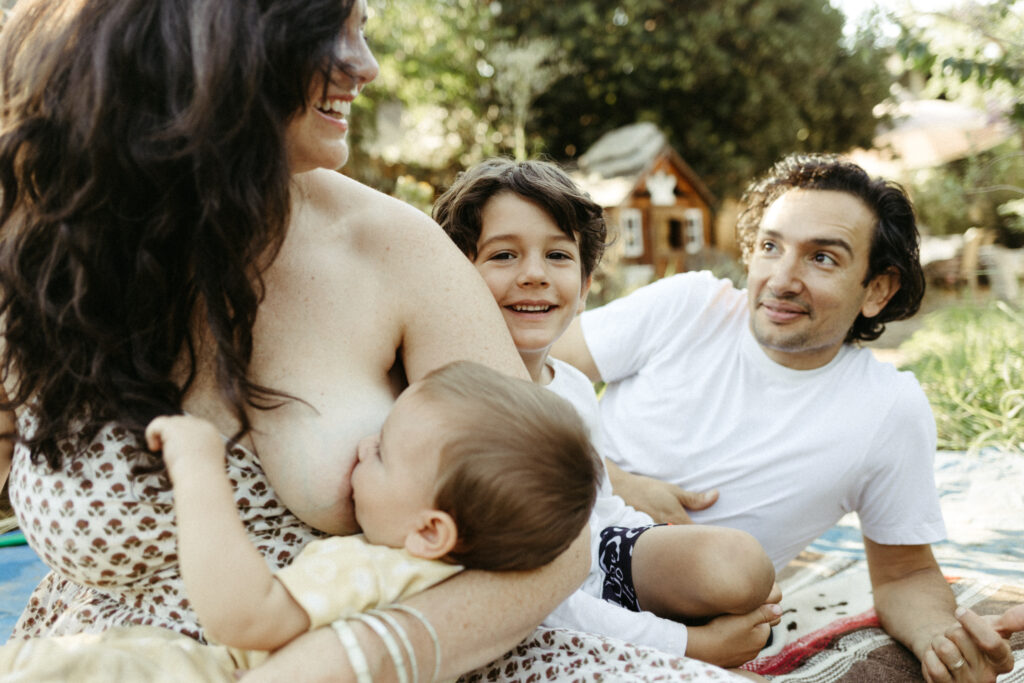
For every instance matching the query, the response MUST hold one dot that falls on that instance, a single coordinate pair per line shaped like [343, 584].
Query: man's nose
[785, 276]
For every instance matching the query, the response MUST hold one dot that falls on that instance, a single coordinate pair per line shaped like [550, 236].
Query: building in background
[660, 210]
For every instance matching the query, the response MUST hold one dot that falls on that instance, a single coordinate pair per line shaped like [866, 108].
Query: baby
[470, 469]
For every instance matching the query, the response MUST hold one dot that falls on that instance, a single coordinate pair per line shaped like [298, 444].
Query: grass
[970, 361]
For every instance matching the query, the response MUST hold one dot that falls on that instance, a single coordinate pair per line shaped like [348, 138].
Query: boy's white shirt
[585, 610]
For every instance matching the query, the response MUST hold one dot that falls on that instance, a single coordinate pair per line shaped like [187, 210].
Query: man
[764, 397]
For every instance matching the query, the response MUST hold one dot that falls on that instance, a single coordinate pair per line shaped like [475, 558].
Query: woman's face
[316, 136]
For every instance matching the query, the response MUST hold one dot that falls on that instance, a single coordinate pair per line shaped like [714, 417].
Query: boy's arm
[234, 593]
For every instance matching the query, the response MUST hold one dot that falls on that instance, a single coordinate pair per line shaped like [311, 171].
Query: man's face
[805, 276]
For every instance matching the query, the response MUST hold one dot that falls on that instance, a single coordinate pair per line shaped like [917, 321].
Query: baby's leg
[693, 571]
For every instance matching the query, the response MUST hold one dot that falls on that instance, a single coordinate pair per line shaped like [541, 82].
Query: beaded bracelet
[402, 636]
[431, 631]
[397, 658]
[356, 658]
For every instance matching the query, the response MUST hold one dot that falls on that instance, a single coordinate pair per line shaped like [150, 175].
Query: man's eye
[825, 259]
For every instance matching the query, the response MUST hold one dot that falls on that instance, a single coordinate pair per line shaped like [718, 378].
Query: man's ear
[881, 288]
[434, 536]
[584, 290]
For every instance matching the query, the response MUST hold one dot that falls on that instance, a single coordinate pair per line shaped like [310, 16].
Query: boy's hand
[732, 639]
[183, 437]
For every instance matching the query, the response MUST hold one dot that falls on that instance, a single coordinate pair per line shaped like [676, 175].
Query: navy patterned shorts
[615, 557]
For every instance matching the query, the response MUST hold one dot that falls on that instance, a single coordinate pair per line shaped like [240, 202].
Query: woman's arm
[231, 588]
[444, 313]
[478, 617]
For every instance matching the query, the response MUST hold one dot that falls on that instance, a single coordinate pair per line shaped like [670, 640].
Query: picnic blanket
[829, 631]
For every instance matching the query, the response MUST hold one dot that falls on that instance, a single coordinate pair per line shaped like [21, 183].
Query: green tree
[734, 83]
[973, 51]
[522, 71]
[427, 113]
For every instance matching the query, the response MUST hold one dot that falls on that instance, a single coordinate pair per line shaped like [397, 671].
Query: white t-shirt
[692, 399]
[586, 610]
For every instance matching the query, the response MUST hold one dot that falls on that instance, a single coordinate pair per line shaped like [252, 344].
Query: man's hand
[664, 502]
[975, 649]
[734, 639]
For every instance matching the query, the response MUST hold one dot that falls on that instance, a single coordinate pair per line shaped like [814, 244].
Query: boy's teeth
[530, 309]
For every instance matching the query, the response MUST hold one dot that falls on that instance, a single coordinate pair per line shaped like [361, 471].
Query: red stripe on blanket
[796, 653]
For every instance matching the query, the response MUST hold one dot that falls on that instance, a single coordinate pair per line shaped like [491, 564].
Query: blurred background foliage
[970, 362]
[734, 83]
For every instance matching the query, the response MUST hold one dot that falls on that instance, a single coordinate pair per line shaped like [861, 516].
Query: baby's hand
[182, 437]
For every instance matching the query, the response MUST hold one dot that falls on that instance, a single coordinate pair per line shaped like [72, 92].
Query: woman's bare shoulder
[352, 206]
[369, 224]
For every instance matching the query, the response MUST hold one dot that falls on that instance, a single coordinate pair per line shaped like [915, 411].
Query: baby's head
[460, 209]
[478, 468]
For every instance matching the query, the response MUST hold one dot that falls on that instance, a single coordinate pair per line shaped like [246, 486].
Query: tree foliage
[735, 83]
[427, 111]
[970, 50]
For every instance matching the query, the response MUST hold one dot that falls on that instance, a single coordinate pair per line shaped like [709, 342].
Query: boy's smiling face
[534, 272]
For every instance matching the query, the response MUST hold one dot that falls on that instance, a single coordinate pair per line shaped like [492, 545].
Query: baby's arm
[234, 593]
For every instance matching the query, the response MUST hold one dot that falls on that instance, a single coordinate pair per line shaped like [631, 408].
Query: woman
[172, 237]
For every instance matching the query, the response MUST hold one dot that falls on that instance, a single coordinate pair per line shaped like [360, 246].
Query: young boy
[471, 468]
[536, 239]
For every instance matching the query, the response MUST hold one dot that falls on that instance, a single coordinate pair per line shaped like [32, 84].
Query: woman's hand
[183, 437]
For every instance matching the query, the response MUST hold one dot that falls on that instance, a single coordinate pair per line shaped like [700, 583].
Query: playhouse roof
[613, 167]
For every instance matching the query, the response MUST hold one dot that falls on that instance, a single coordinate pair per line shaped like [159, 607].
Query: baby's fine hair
[460, 208]
[518, 473]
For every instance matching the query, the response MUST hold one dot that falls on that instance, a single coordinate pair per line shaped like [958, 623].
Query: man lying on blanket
[764, 401]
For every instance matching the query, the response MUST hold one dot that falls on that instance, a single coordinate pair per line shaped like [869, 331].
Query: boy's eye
[560, 255]
[501, 256]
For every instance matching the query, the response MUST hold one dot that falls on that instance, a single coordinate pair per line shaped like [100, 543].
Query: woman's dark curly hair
[145, 185]
[460, 209]
[894, 245]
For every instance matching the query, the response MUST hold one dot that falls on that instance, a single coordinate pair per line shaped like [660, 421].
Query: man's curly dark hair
[894, 245]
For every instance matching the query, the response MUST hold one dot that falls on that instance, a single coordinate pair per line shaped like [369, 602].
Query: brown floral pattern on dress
[556, 654]
[108, 535]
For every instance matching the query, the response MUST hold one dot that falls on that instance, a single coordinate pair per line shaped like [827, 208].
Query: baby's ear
[434, 536]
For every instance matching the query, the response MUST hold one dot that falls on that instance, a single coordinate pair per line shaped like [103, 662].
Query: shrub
[970, 361]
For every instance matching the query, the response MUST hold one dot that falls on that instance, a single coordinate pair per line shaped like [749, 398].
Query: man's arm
[916, 607]
[572, 348]
[229, 585]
